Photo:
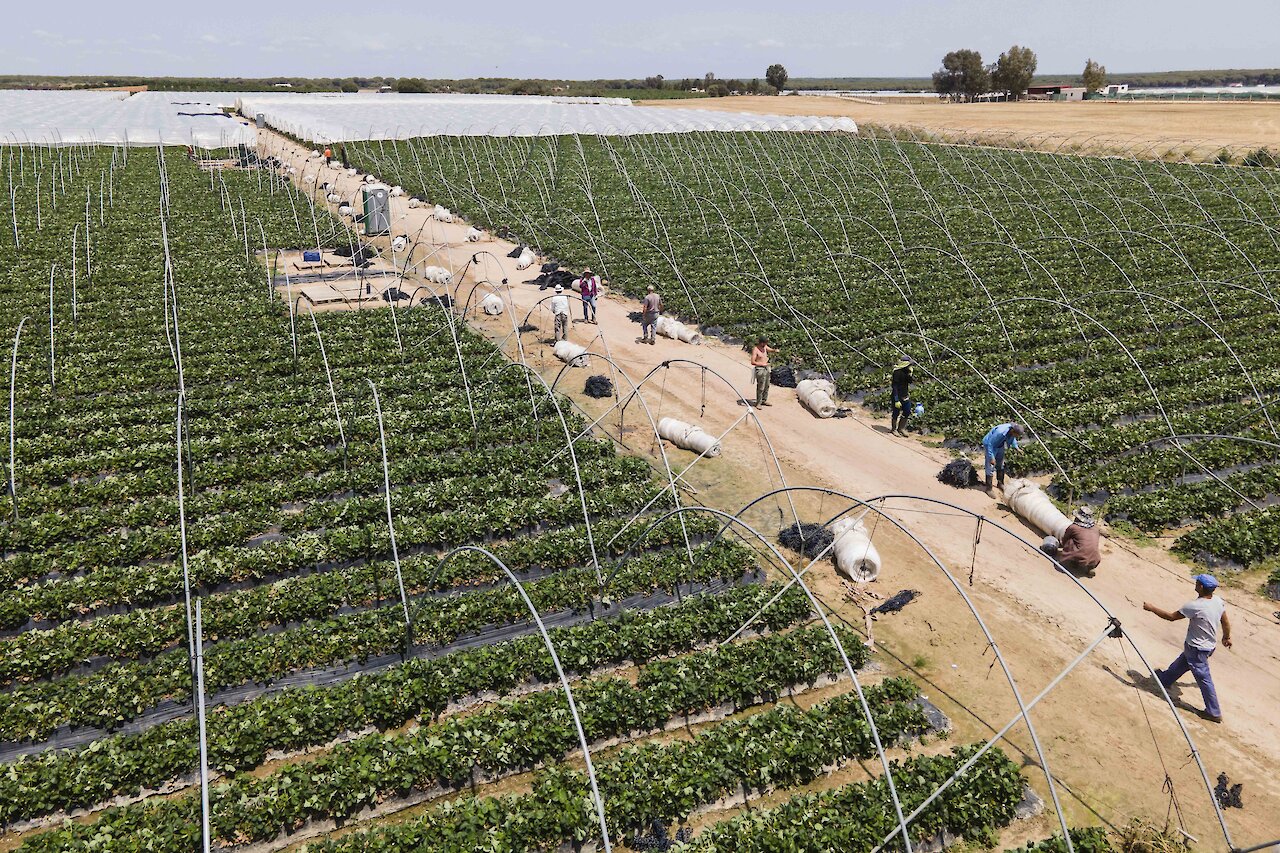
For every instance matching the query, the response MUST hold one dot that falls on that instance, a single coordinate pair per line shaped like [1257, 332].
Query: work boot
[988, 483]
[1000, 480]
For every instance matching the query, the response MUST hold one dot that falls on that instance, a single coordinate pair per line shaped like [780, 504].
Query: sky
[585, 40]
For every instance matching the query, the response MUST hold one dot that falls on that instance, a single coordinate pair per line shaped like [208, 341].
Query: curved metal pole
[391, 527]
[13, 388]
[653, 425]
[995, 648]
[333, 394]
[577, 471]
[555, 659]
[817, 608]
[1039, 554]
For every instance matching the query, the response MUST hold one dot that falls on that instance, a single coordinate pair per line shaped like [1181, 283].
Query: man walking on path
[649, 312]
[328, 156]
[1001, 437]
[901, 395]
[1204, 614]
[760, 370]
[589, 287]
[560, 310]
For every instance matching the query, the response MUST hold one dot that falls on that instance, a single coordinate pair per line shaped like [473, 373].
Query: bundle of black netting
[564, 278]
[599, 386]
[444, 300]
[528, 327]
[808, 539]
[783, 376]
[959, 473]
[516, 252]
[393, 294]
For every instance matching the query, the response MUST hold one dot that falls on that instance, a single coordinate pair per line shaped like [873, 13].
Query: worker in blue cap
[1204, 614]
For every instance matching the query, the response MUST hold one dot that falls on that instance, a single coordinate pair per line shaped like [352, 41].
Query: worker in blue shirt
[1001, 437]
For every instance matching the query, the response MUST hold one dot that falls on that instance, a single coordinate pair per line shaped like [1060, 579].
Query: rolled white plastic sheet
[525, 260]
[351, 173]
[442, 214]
[817, 395]
[309, 179]
[1033, 506]
[370, 179]
[334, 198]
[314, 155]
[397, 191]
[415, 203]
[474, 235]
[571, 354]
[398, 244]
[438, 275]
[688, 437]
[344, 210]
[855, 557]
[678, 331]
[491, 305]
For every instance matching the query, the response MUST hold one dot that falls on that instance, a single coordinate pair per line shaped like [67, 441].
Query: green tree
[776, 76]
[655, 82]
[412, 85]
[1095, 76]
[350, 85]
[962, 75]
[1013, 71]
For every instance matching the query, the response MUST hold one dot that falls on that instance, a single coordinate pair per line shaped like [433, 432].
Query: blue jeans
[1196, 662]
[995, 460]
[588, 301]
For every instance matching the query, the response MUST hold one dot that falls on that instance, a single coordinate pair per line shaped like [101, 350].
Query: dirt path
[1107, 736]
[1198, 129]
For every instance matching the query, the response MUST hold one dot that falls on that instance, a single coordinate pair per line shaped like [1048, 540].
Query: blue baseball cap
[1207, 581]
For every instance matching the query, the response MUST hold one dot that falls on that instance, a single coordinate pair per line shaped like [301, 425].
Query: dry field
[1158, 129]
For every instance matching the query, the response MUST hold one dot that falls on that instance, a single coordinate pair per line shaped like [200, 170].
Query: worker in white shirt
[560, 310]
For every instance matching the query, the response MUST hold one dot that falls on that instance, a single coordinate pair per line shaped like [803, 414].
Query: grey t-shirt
[1203, 615]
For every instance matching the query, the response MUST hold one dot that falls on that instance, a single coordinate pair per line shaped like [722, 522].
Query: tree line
[964, 77]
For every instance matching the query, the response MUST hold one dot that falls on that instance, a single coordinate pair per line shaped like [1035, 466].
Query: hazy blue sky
[447, 38]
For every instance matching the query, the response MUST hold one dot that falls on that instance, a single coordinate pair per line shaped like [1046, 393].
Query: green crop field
[1123, 310]
[272, 506]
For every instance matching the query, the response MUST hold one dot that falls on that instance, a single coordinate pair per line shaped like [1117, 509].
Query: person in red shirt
[328, 156]
[589, 287]
[760, 370]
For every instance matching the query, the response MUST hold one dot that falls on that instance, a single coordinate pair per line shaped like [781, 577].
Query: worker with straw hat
[1205, 614]
[901, 395]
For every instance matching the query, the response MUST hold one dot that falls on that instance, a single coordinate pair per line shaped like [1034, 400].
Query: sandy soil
[1196, 129]
[1107, 735]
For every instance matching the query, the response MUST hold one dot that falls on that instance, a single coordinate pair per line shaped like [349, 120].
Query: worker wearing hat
[1002, 437]
[560, 311]
[901, 395]
[1204, 614]
[589, 287]
[1080, 549]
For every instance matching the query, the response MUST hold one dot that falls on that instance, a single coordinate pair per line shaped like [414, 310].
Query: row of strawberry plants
[163, 583]
[120, 692]
[780, 747]
[509, 737]
[859, 816]
[145, 632]
[240, 737]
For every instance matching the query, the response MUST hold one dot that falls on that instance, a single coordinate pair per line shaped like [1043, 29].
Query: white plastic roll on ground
[491, 305]
[817, 395]
[474, 235]
[437, 275]
[399, 243]
[370, 179]
[1033, 506]
[855, 556]
[442, 214]
[415, 203]
[678, 331]
[688, 437]
[351, 173]
[525, 260]
[334, 198]
[571, 354]
[315, 155]
[397, 191]
[344, 210]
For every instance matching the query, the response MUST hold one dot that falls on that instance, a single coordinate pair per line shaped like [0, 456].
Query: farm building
[1055, 93]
